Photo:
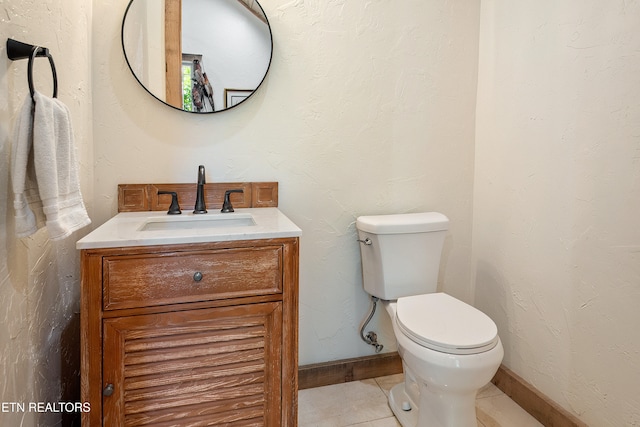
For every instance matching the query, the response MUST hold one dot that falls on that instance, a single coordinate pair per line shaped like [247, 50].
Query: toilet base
[397, 397]
[451, 411]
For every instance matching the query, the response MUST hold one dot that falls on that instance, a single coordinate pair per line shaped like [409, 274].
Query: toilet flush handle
[366, 241]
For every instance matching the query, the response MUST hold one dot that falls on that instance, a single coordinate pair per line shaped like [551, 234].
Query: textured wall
[39, 332]
[368, 108]
[557, 198]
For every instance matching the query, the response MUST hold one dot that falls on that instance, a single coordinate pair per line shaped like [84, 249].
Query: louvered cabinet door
[214, 366]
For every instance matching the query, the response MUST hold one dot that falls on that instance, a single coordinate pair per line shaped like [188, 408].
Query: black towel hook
[18, 50]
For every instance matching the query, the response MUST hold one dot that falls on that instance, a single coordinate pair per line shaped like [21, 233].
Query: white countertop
[126, 229]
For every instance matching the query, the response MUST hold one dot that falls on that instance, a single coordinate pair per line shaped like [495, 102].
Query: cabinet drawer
[144, 280]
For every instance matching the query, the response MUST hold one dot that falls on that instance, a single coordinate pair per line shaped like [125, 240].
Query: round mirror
[201, 56]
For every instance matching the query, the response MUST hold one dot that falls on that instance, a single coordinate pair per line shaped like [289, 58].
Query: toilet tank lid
[403, 223]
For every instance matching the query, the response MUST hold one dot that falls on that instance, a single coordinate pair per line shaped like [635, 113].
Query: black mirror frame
[124, 18]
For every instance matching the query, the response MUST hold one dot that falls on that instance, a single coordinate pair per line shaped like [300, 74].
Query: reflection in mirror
[201, 56]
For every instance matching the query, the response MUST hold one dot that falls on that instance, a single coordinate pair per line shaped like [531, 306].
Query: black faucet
[226, 205]
[174, 209]
[201, 207]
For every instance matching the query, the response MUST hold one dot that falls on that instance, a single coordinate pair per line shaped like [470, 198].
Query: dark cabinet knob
[108, 390]
[197, 276]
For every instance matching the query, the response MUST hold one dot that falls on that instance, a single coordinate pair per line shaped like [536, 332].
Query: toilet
[449, 349]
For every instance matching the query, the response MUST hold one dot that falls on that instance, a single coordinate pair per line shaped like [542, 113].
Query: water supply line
[371, 338]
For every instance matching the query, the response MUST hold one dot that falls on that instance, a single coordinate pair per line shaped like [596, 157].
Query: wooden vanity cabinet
[197, 334]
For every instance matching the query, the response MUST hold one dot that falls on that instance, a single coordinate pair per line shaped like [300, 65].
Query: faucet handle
[174, 209]
[226, 205]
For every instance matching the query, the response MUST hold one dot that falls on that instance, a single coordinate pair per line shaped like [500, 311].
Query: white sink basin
[198, 222]
[158, 228]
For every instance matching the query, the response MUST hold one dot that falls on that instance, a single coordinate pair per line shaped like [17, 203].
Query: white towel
[44, 171]
[23, 178]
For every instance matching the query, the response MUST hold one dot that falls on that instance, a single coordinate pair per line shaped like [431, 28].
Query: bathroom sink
[193, 222]
[158, 228]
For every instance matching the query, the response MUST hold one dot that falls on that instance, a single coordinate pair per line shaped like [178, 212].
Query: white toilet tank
[403, 257]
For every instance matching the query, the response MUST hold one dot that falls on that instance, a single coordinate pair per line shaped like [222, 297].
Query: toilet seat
[443, 323]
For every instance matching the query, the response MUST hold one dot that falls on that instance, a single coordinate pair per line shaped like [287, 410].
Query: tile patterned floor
[364, 404]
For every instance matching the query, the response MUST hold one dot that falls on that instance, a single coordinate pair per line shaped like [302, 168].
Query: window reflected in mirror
[200, 56]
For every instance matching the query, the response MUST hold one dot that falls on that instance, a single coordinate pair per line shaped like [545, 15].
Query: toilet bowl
[449, 349]
[440, 388]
